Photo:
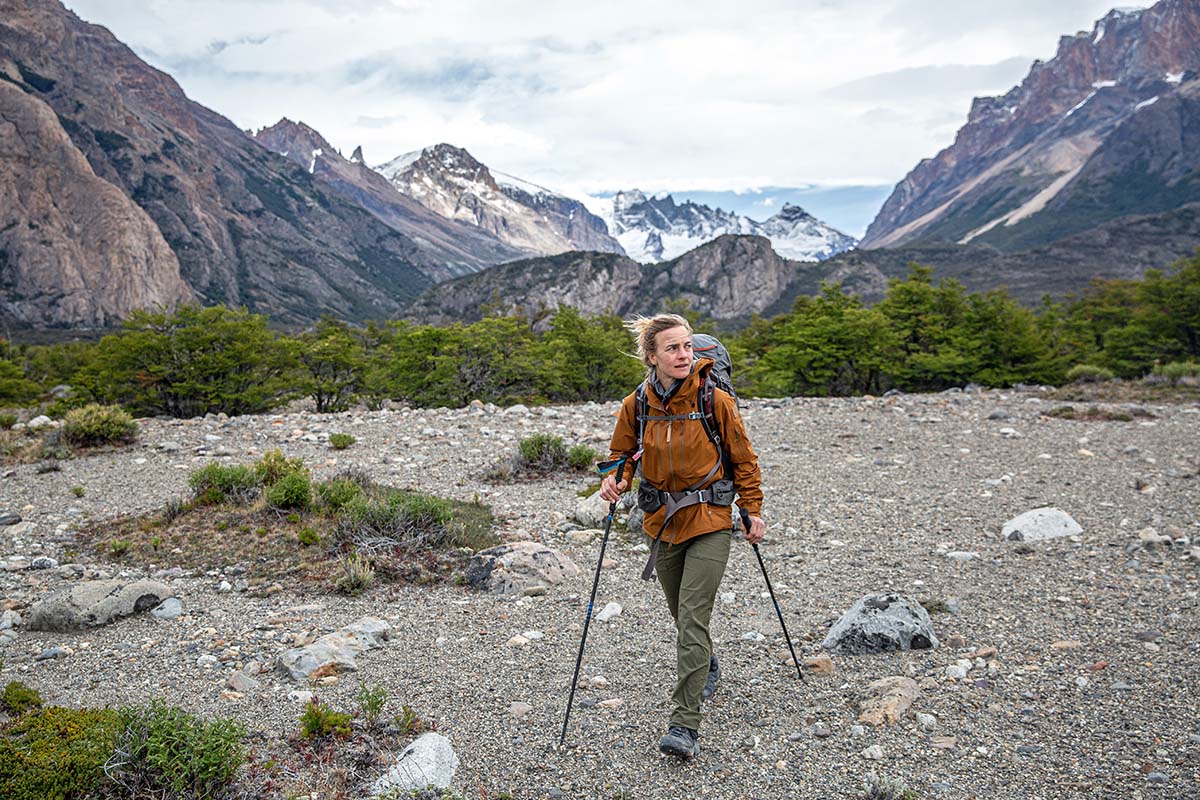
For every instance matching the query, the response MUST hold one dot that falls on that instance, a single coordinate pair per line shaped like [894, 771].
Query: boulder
[511, 568]
[95, 603]
[1040, 524]
[335, 652]
[428, 761]
[887, 700]
[168, 609]
[881, 622]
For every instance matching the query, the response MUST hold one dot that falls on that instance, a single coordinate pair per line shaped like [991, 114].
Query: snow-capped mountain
[451, 182]
[652, 229]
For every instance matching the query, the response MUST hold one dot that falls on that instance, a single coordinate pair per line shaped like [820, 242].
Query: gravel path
[863, 495]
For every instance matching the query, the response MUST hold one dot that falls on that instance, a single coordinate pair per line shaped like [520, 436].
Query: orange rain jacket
[678, 453]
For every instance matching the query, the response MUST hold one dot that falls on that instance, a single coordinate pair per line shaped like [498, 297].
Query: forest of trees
[923, 336]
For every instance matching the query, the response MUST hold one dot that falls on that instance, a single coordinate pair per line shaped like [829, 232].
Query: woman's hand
[610, 490]
[758, 529]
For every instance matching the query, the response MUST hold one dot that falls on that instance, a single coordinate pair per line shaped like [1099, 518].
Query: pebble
[519, 709]
[609, 611]
[51, 653]
[821, 730]
[1156, 777]
[873, 753]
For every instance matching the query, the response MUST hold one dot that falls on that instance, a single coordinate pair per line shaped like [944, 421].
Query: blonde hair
[645, 329]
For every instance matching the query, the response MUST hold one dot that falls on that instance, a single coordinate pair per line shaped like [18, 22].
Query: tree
[192, 362]
[332, 360]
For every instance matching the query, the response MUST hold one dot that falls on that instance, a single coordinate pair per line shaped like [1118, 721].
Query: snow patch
[1104, 84]
[1173, 77]
[1079, 105]
[315, 155]
[1099, 33]
[1145, 103]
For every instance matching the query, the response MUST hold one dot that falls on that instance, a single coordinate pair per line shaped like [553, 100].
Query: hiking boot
[714, 675]
[680, 741]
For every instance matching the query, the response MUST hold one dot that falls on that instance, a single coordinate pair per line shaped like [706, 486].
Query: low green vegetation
[19, 698]
[346, 533]
[321, 722]
[94, 424]
[340, 441]
[152, 751]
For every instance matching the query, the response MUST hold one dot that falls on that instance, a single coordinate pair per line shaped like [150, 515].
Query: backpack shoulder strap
[641, 407]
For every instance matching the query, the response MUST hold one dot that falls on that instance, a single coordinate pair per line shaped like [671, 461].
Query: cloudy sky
[594, 97]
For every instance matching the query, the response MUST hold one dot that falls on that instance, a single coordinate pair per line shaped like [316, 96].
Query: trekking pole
[603, 467]
[778, 612]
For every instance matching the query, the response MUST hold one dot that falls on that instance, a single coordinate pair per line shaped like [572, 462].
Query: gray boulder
[881, 622]
[1040, 524]
[428, 761]
[95, 603]
[591, 511]
[511, 568]
[334, 653]
[168, 609]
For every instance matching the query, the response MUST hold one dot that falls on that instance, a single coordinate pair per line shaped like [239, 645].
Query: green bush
[95, 424]
[7, 421]
[582, 457]
[78, 491]
[340, 441]
[308, 537]
[19, 698]
[883, 788]
[338, 493]
[293, 490]
[274, 465]
[1088, 373]
[215, 483]
[56, 752]
[542, 452]
[319, 721]
[371, 700]
[166, 751]
[1178, 371]
[404, 517]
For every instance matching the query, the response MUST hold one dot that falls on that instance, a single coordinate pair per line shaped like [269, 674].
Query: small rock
[1028, 749]
[609, 611]
[1156, 777]
[519, 709]
[302, 696]
[956, 672]
[225, 586]
[944, 742]
[598, 682]
[1040, 524]
[51, 652]
[821, 731]
[9, 518]
[956, 641]
[819, 665]
[612, 702]
[887, 700]
[9, 619]
[1066, 644]
[927, 722]
[873, 753]
[207, 661]
[241, 682]
[167, 609]
[518, 641]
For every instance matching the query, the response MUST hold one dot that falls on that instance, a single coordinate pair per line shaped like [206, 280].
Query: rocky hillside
[452, 247]
[166, 200]
[657, 228]
[452, 183]
[1107, 128]
[727, 278]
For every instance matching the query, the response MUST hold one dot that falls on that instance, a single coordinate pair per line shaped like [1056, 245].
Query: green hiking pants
[690, 574]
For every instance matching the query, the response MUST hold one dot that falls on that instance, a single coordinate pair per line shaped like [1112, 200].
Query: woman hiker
[686, 492]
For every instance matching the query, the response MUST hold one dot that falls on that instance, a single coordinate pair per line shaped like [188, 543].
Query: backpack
[719, 377]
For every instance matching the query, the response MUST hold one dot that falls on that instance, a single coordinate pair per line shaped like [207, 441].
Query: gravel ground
[863, 495]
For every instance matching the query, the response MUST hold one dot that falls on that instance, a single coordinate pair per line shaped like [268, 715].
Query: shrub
[340, 441]
[56, 752]
[166, 751]
[293, 490]
[338, 493]
[215, 483]
[1178, 371]
[274, 465]
[357, 574]
[319, 721]
[582, 457]
[1088, 373]
[541, 452]
[371, 700]
[881, 788]
[7, 421]
[78, 491]
[402, 517]
[95, 424]
[19, 698]
[308, 538]
[409, 722]
[119, 547]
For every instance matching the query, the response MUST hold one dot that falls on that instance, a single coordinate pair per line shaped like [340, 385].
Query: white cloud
[591, 96]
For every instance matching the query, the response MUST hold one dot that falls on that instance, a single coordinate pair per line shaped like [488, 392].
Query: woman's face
[672, 356]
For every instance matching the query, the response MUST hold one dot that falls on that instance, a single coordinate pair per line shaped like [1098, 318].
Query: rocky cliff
[243, 225]
[450, 182]
[1107, 128]
[730, 277]
[451, 247]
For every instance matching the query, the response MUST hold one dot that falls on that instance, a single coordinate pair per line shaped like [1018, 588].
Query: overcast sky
[596, 96]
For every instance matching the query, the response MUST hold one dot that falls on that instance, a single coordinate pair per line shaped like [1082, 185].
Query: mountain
[450, 247]
[450, 182]
[1110, 127]
[140, 196]
[729, 277]
[657, 228]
